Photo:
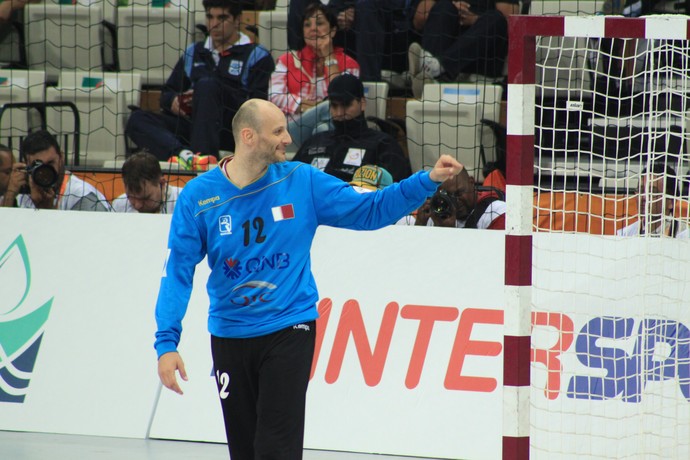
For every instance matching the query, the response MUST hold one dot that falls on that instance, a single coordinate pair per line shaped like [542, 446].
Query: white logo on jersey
[235, 68]
[225, 225]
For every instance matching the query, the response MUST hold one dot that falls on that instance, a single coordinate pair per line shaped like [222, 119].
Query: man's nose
[136, 203]
[287, 139]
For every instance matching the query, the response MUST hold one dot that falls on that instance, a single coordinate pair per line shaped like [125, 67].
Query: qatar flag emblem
[283, 212]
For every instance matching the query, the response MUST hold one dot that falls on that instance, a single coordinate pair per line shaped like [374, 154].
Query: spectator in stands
[384, 31]
[461, 38]
[299, 85]
[456, 204]
[207, 86]
[352, 143]
[146, 189]
[12, 177]
[343, 10]
[657, 194]
[376, 33]
[50, 185]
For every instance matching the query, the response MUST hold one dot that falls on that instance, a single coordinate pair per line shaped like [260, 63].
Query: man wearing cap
[352, 144]
[370, 178]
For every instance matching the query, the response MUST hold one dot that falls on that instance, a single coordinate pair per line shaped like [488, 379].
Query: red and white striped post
[518, 243]
[523, 31]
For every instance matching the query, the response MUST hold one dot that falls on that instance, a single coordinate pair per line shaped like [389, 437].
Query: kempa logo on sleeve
[208, 200]
[21, 323]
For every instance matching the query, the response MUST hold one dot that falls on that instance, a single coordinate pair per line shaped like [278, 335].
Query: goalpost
[597, 338]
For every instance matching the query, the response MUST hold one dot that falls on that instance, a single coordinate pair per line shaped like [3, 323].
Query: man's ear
[247, 135]
[364, 103]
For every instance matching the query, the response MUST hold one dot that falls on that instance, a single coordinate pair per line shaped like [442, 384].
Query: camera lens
[442, 204]
[43, 175]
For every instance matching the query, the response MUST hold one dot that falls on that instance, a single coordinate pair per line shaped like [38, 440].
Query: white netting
[611, 344]
[606, 110]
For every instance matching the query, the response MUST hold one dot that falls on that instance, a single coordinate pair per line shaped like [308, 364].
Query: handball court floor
[41, 446]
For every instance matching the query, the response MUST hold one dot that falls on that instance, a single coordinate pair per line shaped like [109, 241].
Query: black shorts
[262, 385]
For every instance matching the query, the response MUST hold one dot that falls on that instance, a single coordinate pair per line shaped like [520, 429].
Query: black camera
[43, 175]
[443, 204]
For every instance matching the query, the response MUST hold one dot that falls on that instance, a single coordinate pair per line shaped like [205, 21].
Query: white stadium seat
[152, 39]
[101, 100]
[63, 37]
[19, 86]
[273, 34]
[376, 94]
[448, 121]
[565, 7]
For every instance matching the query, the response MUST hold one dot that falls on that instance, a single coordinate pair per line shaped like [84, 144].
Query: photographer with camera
[49, 185]
[456, 204]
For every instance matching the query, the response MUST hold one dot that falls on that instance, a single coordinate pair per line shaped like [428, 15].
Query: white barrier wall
[95, 370]
[409, 351]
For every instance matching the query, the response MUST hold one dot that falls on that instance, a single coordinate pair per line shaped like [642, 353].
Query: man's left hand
[445, 168]
[43, 198]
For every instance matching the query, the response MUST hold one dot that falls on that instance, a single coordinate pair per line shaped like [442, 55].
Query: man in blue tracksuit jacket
[254, 217]
[205, 89]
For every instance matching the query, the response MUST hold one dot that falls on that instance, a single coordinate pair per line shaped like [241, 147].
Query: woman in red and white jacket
[299, 84]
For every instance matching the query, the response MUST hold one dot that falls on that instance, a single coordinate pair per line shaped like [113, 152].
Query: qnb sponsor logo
[21, 323]
[615, 357]
[278, 261]
[253, 293]
[232, 268]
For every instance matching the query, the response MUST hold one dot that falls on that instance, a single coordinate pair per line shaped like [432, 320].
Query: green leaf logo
[21, 326]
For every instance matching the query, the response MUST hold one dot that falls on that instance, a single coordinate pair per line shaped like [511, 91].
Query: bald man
[254, 218]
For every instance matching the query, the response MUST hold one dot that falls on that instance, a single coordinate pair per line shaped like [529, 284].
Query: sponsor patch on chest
[235, 68]
[225, 225]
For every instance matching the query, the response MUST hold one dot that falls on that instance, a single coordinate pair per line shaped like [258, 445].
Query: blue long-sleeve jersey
[257, 240]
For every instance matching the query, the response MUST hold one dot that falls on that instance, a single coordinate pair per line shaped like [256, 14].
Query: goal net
[601, 104]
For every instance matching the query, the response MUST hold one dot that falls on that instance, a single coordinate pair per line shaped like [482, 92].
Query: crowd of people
[316, 85]
[325, 39]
